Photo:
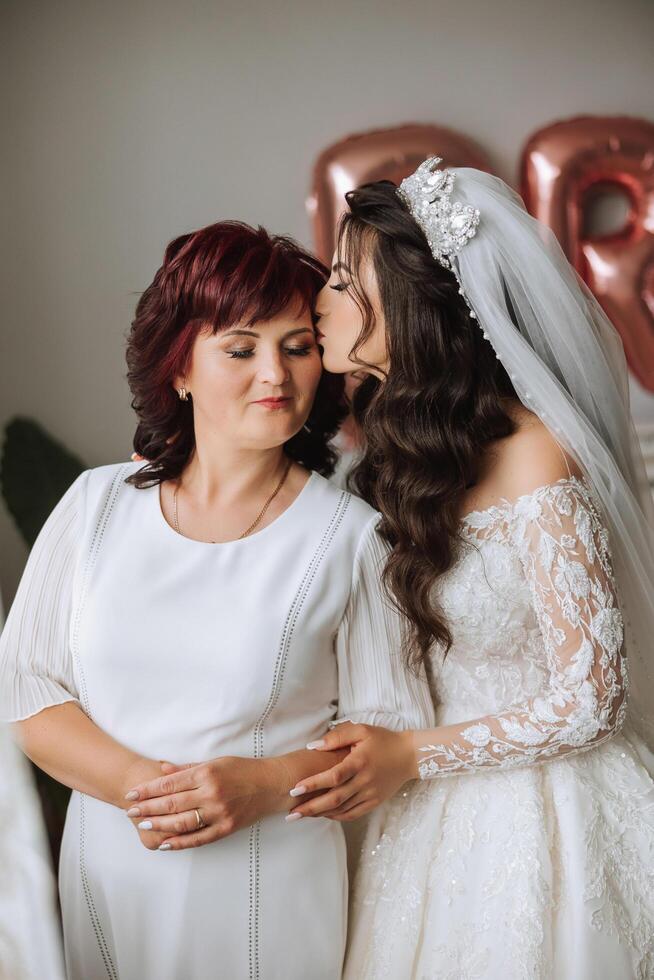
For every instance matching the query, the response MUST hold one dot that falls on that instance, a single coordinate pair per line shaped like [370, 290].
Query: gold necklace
[259, 516]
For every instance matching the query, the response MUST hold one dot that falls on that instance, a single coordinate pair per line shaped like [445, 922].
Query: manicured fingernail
[134, 811]
[289, 818]
[298, 791]
[165, 847]
[319, 744]
[145, 825]
[132, 795]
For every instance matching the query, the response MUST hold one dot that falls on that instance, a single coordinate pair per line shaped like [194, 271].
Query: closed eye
[293, 351]
[299, 351]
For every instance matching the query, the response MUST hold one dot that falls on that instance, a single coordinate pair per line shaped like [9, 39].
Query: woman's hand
[380, 761]
[143, 769]
[229, 793]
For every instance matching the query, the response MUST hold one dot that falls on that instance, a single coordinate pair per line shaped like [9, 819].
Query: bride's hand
[380, 761]
[229, 793]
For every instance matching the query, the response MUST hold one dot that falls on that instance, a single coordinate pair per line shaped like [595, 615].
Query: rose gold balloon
[384, 154]
[564, 168]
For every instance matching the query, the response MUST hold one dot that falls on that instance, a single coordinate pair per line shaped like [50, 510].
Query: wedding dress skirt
[543, 872]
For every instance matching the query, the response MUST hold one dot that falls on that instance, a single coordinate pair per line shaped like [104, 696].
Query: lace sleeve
[564, 550]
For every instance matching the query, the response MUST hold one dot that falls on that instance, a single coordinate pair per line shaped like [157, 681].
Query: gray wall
[128, 123]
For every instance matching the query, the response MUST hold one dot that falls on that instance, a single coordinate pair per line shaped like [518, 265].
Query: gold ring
[200, 821]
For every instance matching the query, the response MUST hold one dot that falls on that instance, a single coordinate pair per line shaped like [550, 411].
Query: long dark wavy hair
[221, 275]
[427, 425]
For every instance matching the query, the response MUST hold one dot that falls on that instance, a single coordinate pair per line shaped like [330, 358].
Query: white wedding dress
[527, 853]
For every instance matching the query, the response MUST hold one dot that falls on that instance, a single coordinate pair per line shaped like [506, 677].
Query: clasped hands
[232, 793]
[229, 793]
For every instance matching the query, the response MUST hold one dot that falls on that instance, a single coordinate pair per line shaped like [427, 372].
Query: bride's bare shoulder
[530, 458]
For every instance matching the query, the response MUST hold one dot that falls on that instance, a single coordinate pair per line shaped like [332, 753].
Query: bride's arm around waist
[564, 550]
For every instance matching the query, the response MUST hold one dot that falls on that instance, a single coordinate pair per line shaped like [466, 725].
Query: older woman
[216, 608]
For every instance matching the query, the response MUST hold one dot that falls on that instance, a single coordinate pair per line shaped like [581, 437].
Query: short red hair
[225, 274]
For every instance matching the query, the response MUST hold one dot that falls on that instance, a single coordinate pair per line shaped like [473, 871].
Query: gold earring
[183, 394]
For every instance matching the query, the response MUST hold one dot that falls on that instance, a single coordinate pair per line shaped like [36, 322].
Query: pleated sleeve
[375, 685]
[36, 668]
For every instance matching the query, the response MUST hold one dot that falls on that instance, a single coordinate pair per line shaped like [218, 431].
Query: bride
[500, 450]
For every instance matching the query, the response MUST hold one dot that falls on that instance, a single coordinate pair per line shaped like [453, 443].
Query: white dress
[187, 650]
[527, 853]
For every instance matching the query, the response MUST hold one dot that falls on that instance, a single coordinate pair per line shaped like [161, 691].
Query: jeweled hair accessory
[447, 224]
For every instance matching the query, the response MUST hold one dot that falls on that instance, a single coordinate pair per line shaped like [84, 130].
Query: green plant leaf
[36, 472]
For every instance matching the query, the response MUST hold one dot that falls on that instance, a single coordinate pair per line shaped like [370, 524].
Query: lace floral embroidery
[563, 548]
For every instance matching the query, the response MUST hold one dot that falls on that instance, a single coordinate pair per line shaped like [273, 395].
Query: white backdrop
[130, 122]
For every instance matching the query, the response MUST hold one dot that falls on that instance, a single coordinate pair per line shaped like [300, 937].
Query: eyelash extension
[340, 287]
[293, 351]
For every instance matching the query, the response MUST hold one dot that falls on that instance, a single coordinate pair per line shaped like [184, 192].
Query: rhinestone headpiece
[447, 225]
